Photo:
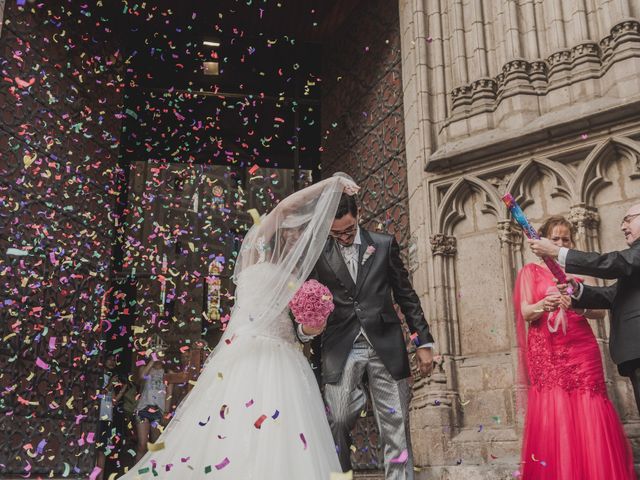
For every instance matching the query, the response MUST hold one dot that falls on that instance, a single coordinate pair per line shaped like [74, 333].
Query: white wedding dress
[256, 412]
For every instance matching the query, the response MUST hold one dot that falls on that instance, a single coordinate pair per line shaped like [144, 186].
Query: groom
[364, 337]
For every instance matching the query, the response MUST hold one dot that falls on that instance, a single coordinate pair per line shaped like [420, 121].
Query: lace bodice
[253, 311]
[570, 361]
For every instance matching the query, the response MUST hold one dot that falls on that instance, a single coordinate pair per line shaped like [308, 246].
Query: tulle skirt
[256, 413]
[574, 435]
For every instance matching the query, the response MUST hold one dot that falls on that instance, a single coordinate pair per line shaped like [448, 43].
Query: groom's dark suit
[368, 303]
[622, 298]
[364, 338]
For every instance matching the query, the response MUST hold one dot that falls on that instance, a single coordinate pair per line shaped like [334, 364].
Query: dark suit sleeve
[406, 297]
[608, 265]
[596, 297]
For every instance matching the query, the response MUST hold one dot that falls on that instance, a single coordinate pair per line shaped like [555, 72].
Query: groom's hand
[425, 361]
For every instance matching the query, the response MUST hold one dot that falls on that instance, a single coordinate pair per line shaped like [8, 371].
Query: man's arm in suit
[406, 297]
[596, 297]
[608, 265]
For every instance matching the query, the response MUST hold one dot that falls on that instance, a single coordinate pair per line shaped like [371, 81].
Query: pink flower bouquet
[312, 304]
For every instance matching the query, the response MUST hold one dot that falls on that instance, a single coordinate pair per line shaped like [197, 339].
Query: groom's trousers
[346, 399]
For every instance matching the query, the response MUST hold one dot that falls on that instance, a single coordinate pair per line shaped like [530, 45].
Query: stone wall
[540, 99]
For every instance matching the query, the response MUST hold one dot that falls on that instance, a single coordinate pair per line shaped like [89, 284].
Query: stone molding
[538, 77]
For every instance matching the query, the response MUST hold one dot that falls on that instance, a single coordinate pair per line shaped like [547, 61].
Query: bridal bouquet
[312, 304]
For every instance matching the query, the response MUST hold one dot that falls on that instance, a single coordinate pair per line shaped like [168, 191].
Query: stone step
[371, 475]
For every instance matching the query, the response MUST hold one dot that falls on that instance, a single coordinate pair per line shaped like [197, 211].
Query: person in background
[572, 431]
[112, 391]
[154, 400]
[622, 298]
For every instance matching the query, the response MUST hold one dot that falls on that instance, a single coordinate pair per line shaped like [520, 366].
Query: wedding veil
[289, 241]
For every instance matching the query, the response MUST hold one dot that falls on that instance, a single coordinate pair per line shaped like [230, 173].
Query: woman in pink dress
[572, 431]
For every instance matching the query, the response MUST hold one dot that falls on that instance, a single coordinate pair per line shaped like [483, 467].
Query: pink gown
[572, 431]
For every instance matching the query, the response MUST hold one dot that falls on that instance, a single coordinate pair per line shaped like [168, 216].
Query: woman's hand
[565, 302]
[313, 331]
[551, 302]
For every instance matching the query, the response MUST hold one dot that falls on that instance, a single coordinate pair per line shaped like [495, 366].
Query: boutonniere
[367, 253]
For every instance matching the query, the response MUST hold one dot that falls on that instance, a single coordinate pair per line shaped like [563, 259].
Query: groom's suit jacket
[622, 298]
[369, 303]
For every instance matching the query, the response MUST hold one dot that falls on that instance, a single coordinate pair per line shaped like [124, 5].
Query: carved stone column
[511, 238]
[436, 401]
[586, 221]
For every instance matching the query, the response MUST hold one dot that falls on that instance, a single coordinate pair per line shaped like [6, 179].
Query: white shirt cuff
[304, 338]
[576, 295]
[562, 256]
[427, 345]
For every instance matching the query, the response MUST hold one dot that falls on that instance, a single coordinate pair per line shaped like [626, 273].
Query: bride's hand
[349, 186]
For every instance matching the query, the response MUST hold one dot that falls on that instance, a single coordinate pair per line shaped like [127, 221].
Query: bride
[256, 411]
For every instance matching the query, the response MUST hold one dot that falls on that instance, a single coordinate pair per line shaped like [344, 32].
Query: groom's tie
[350, 256]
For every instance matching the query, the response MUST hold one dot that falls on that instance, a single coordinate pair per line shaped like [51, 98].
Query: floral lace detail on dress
[555, 366]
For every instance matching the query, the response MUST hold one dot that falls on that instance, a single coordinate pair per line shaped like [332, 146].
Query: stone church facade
[540, 99]
[437, 107]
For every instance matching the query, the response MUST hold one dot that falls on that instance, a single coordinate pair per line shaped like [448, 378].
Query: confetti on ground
[304, 440]
[402, 458]
[222, 464]
[258, 423]
[155, 447]
[341, 476]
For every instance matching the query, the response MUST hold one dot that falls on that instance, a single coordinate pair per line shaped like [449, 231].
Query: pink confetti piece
[90, 438]
[304, 440]
[52, 343]
[95, 473]
[42, 364]
[222, 464]
[401, 458]
[223, 411]
[249, 403]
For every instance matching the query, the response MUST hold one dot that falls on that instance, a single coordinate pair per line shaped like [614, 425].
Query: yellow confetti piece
[154, 447]
[70, 403]
[341, 476]
[31, 375]
[7, 337]
[254, 215]
[353, 448]
[28, 160]
[220, 377]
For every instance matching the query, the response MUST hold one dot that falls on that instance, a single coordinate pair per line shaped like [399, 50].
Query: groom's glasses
[627, 219]
[344, 233]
